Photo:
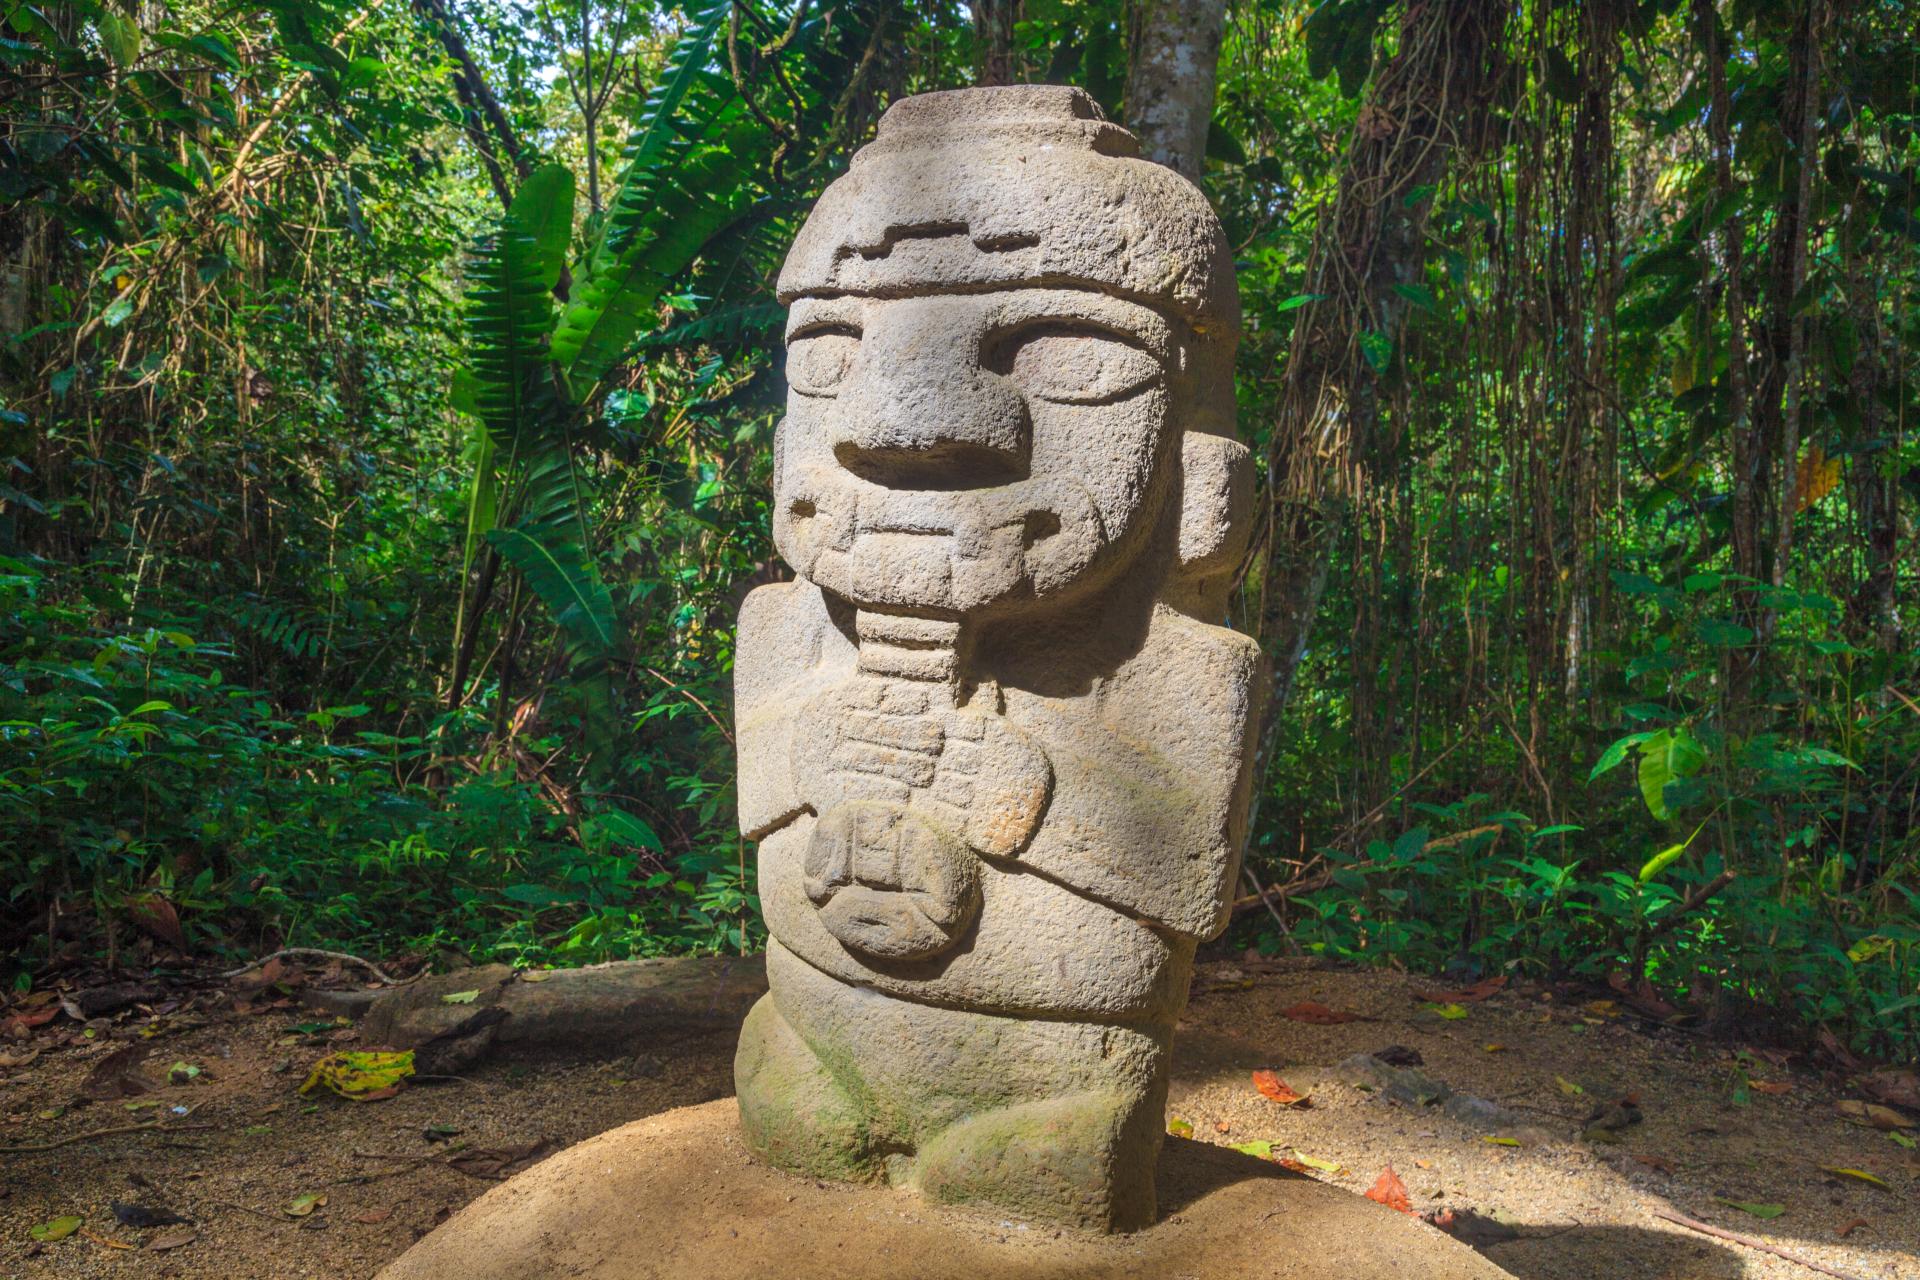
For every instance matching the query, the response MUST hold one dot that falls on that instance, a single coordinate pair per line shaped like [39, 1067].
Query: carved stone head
[1009, 354]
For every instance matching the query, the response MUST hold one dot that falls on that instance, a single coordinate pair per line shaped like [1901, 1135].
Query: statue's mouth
[955, 549]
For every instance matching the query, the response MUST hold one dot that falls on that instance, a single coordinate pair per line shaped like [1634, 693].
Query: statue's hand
[968, 770]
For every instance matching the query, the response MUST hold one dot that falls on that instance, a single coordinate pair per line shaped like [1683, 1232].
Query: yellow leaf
[360, 1075]
[1451, 1012]
[1858, 1175]
[460, 997]
[1495, 1048]
[1315, 1162]
[1501, 1142]
[1568, 1087]
[303, 1205]
[1814, 477]
[1179, 1128]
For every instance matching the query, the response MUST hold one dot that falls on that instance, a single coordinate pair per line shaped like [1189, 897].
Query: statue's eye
[818, 360]
[1074, 365]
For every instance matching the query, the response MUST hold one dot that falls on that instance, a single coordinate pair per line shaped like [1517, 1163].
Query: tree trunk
[478, 100]
[993, 28]
[1429, 101]
[1171, 77]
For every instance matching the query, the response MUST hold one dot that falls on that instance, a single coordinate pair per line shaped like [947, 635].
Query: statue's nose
[923, 414]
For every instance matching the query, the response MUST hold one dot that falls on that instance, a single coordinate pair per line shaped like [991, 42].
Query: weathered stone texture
[992, 742]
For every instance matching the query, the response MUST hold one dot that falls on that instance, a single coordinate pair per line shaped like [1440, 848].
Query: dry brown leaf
[374, 1217]
[1872, 1113]
[1390, 1191]
[1272, 1086]
[1846, 1229]
[1474, 994]
[173, 1239]
[1775, 1087]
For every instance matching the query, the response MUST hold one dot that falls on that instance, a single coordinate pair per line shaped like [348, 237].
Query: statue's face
[949, 452]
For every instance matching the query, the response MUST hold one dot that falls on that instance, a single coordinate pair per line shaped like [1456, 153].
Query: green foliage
[374, 512]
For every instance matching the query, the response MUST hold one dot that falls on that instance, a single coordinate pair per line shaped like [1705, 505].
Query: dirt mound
[678, 1195]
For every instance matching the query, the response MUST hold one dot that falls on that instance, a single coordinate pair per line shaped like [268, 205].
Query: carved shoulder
[1152, 775]
[785, 650]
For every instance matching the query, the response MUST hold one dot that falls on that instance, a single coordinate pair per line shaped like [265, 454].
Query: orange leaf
[1474, 994]
[1312, 1011]
[1847, 1229]
[1390, 1191]
[1272, 1086]
[1770, 1086]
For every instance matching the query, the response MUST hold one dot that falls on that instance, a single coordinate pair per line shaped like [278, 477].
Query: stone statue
[993, 742]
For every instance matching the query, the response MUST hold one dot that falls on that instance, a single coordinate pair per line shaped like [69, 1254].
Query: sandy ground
[1577, 1208]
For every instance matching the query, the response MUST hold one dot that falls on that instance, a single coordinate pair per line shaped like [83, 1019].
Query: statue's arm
[1151, 783]
[779, 665]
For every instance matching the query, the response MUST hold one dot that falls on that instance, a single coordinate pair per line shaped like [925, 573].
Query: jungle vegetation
[386, 392]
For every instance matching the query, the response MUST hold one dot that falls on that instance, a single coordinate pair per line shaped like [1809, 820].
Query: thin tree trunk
[1171, 76]
[993, 27]
[1428, 103]
[477, 98]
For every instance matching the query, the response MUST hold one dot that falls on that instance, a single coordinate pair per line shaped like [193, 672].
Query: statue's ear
[1216, 504]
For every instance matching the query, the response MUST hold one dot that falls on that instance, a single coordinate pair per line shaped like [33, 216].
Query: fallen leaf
[1661, 1163]
[1757, 1210]
[535, 975]
[361, 1076]
[9, 1061]
[1179, 1128]
[156, 916]
[1894, 1135]
[1451, 1012]
[304, 1204]
[1315, 1162]
[1501, 1142]
[1390, 1191]
[1474, 994]
[1872, 1113]
[1317, 1014]
[1272, 1086]
[183, 1073]
[374, 1217]
[173, 1239]
[1858, 1175]
[58, 1229]
[1568, 1087]
[1846, 1229]
[1221, 1126]
[1494, 1048]
[461, 997]
[117, 1076]
[106, 1241]
[1774, 1087]
[1258, 1147]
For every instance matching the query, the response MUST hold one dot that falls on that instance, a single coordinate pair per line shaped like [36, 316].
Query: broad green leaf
[1299, 300]
[542, 210]
[1655, 773]
[567, 582]
[119, 36]
[460, 997]
[58, 1229]
[1616, 752]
